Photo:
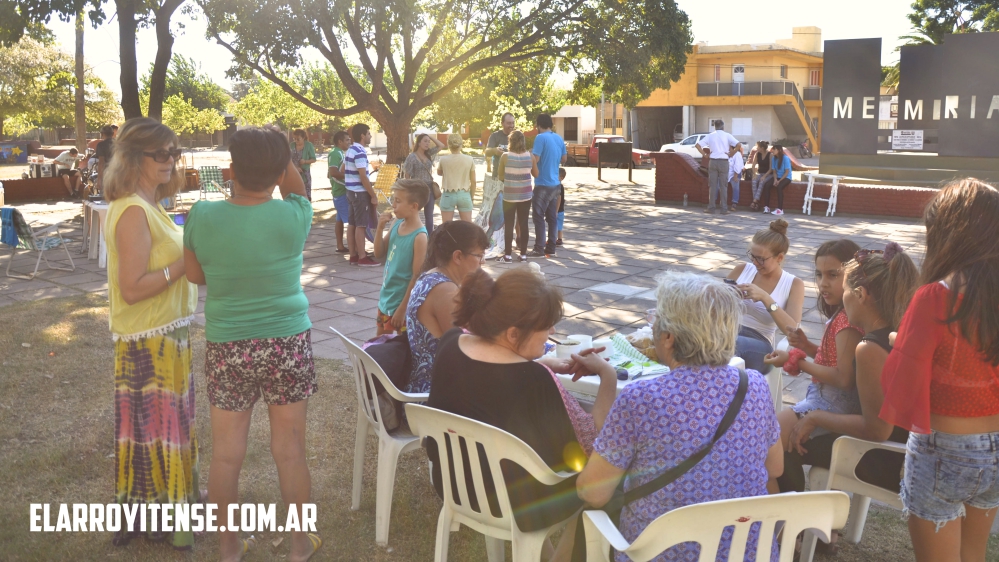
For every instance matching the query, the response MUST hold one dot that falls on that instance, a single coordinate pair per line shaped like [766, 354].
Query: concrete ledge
[677, 174]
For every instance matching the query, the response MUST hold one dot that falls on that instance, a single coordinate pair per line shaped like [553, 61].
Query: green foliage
[519, 89]
[185, 79]
[181, 116]
[27, 18]
[412, 55]
[37, 89]
[933, 20]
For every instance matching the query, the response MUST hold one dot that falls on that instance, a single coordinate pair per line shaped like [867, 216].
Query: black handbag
[621, 498]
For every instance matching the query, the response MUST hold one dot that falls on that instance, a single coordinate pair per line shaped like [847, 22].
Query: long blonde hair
[138, 135]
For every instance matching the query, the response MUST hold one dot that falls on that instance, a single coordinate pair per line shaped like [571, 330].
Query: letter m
[913, 112]
[841, 109]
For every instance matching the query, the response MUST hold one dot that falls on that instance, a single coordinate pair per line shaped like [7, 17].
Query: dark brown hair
[416, 142]
[300, 133]
[416, 191]
[962, 238]
[519, 298]
[340, 135]
[259, 156]
[451, 237]
[891, 278]
[773, 238]
[843, 251]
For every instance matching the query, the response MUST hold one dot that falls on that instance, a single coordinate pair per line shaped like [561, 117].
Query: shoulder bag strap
[679, 470]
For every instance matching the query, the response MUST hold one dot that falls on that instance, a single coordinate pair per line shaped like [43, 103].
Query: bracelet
[166, 273]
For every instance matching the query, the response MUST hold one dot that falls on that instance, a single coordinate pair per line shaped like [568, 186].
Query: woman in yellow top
[152, 304]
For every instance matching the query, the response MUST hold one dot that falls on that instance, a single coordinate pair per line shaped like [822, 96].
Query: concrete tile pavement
[614, 233]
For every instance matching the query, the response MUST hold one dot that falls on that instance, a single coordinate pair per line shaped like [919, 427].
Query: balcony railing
[774, 88]
[812, 93]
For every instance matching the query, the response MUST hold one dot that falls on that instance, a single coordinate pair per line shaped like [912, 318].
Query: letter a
[994, 106]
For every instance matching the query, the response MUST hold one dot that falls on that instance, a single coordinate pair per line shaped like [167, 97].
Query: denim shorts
[342, 207]
[943, 472]
[462, 200]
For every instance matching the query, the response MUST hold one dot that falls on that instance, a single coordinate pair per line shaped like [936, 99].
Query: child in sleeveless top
[834, 385]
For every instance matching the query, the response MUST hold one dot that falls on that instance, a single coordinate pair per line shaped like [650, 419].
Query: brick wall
[677, 174]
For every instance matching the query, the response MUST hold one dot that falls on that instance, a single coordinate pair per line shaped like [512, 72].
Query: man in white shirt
[65, 167]
[720, 146]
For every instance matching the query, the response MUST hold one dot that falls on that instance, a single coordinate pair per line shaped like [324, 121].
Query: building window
[783, 71]
[814, 77]
[717, 73]
[613, 123]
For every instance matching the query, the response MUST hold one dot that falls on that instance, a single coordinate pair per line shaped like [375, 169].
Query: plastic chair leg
[495, 549]
[808, 542]
[443, 535]
[858, 518]
[388, 459]
[359, 440]
[527, 547]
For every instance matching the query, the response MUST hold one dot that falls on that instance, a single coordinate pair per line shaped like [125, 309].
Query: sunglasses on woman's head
[162, 155]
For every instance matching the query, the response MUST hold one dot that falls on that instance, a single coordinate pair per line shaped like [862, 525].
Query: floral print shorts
[280, 369]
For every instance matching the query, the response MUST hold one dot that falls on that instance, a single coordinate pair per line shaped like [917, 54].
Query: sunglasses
[162, 155]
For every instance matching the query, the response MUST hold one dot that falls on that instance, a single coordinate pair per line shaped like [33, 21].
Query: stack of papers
[627, 357]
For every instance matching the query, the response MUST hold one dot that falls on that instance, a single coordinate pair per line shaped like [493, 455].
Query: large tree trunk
[164, 51]
[81, 100]
[129, 64]
[397, 139]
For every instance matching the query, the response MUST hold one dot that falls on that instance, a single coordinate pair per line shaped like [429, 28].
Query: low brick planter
[678, 174]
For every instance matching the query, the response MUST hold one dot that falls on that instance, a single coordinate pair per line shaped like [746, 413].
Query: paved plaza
[617, 241]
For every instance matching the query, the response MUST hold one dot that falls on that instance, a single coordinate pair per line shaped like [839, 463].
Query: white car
[686, 146]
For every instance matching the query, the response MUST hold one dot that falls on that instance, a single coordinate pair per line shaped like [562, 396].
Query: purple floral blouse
[656, 424]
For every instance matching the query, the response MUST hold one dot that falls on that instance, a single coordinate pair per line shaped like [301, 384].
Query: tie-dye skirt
[156, 454]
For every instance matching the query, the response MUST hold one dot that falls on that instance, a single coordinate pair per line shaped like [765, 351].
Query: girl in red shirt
[941, 380]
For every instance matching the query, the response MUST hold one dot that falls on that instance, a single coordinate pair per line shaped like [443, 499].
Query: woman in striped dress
[516, 167]
[151, 305]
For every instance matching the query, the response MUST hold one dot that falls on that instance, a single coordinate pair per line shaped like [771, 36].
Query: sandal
[317, 543]
[343, 251]
[248, 543]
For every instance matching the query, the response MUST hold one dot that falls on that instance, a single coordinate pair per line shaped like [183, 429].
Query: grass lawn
[56, 446]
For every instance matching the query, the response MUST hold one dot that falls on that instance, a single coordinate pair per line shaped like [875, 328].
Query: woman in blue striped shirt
[516, 168]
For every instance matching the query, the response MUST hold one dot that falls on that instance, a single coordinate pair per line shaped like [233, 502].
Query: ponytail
[890, 277]
[519, 298]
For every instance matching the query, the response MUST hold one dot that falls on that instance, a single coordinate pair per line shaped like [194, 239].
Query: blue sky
[719, 22]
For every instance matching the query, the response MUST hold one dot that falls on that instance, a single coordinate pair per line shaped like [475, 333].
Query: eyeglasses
[757, 259]
[480, 257]
[162, 155]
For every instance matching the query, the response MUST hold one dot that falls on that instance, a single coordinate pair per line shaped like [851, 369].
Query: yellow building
[762, 91]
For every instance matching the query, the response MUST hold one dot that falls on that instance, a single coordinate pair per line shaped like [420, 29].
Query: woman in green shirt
[303, 155]
[248, 251]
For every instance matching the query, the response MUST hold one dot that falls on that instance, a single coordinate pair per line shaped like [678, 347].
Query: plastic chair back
[462, 441]
[704, 523]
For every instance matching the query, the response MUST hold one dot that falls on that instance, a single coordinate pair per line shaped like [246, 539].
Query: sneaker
[558, 242]
[550, 254]
[536, 254]
[709, 210]
[766, 210]
[367, 262]
[522, 257]
[508, 259]
[724, 211]
[778, 212]
[353, 260]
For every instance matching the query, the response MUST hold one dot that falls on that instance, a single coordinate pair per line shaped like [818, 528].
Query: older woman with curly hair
[151, 307]
[697, 320]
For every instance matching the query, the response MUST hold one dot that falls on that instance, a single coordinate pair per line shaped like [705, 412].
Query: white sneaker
[766, 210]
[778, 212]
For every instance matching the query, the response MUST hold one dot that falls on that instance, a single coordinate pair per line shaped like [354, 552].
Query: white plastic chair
[391, 444]
[774, 379]
[704, 523]
[846, 454]
[445, 428]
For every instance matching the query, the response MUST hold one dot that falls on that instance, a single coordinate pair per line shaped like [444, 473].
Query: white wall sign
[906, 139]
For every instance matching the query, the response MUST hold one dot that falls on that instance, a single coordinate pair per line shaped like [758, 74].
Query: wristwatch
[773, 307]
